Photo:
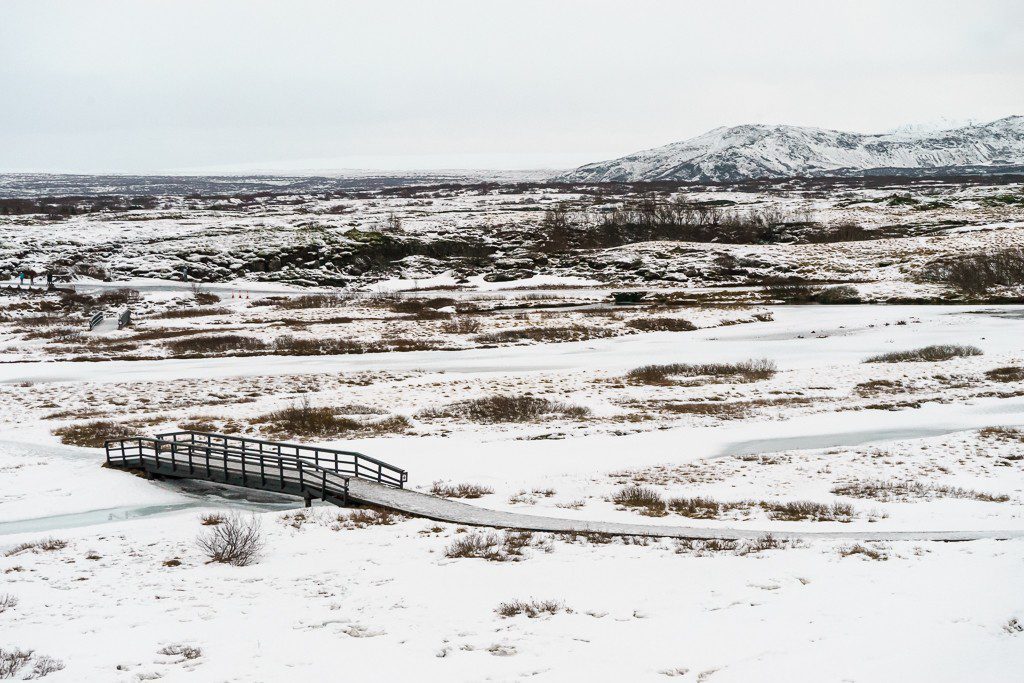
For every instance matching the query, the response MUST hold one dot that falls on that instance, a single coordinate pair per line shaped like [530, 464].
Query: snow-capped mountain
[759, 151]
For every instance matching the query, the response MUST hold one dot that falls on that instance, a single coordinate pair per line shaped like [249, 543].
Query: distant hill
[759, 151]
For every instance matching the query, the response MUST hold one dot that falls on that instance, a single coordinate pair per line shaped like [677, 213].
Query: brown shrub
[219, 344]
[662, 324]
[749, 371]
[305, 420]
[798, 510]
[564, 333]
[507, 409]
[933, 353]
[92, 434]
[908, 490]
[1006, 374]
[647, 500]
[191, 312]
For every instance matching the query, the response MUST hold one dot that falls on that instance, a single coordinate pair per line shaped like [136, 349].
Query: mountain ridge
[749, 151]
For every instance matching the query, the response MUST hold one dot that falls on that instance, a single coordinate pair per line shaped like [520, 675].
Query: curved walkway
[444, 510]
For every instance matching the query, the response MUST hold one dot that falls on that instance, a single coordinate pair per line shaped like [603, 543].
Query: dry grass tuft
[7, 601]
[444, 490]
[184, 651]
[532, 608]
[871, 553]
[368, 516]
[744, 371]
[492, 546]
[308, 421]
[798, 510]
[506, 409]
[926, 354]
[47, 545]
[909, 490]
[92, 434]
[212, 519]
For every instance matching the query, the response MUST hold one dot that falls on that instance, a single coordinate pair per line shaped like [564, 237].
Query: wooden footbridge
[347, 477]
[306, 471]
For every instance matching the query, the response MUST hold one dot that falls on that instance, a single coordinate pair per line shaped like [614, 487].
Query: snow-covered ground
[384, 602]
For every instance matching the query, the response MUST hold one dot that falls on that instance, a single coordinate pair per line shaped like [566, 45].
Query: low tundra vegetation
[910, 490]
[743, 371]
[1012, 373]
[309, 421]
[494, 546]
[650, 502]
[45, 545]
[13, 660]
[926, 354]
[531, 608]
[92, 434]
[507, 409]
[445, 490]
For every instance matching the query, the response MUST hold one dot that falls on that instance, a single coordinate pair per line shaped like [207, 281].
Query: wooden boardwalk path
[346, 477]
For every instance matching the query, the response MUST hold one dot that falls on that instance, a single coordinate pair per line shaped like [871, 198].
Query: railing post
[299, 462]
[243, 463]
[173, 463]
[225, 464]
[208, 474]
[191, 468]
[156, 454]
[280, 470]
[263, 476]
[323, 485]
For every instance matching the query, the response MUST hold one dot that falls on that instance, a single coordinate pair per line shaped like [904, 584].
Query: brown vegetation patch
[507, 409]
[746, 371]
[927, 354]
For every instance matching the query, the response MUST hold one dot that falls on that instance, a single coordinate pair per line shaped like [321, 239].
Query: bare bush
[7, 601]
[191, 312]
[1010, 373]
[43, 666]
[181, 650]
[749, 370]
[565, 333]
[871, 553]
[461, 325]
[322, 300]
[908, 490]
[217, 344]
[646, 499]
[933, 353]
[235, 541]
[975, 274]
[324, 421]
[661, 324]
[507, 409]
[92, 434]
[445, 490]
[697, 508]
[491, 546]
[12, 661]
[368, 516]
[46, 545]
[531, 608]
[798, 510]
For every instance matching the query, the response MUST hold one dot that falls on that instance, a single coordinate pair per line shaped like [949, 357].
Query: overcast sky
[177, 85]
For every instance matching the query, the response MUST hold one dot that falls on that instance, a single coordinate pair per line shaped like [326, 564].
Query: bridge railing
[348, 463]
[215, 463]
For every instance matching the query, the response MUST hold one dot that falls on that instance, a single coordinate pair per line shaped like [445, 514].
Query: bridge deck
[341, 478]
